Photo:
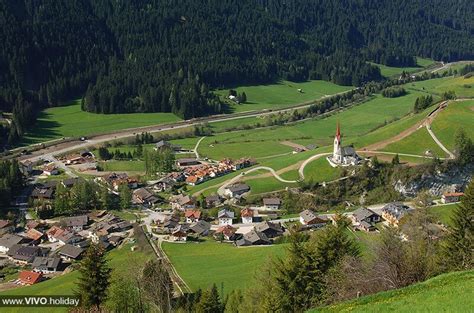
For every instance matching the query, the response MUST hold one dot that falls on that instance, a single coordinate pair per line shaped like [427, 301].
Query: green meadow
[209, 262]
[71, 121]
[281, 94]
[457, 115]
[417, 143]
[450, 292]
[389, 71]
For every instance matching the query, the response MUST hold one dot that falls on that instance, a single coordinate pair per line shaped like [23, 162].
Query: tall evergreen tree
[458, 246]
[125, 196]
[94, 278]
[209, 302]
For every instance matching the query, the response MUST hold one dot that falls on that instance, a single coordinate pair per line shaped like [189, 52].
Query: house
[367, 227]
[50, 169]
[225, 217]
[46, 264]
[179, 233]
[253, 238]
[162, 184]
[144, 197]
[69, 252]
[451, 197]
[200, 228]
[162, 144]
[192, 216]
[70, 182]
[43, 193]
[364, 214]
[29, 277]
[25, 254]
[76, 223]
[123, 226]
[32, 224]
[182, 202]
[247, 216]
[187, 162]
[271, 230]
[309, 218]
[213, 201]
[394, 212]
[236, 190]
[6, 227]
[115, 240]
[227, 232]
[271, 203]
[68, 237]
[53, 232]
[9, 240]
[34, 235]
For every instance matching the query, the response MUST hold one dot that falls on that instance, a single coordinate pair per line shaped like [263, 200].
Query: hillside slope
[445, 293]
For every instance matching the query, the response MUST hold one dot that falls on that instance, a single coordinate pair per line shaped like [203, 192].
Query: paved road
[309, 160]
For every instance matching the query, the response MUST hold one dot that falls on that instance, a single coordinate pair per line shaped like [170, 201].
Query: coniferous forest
[166, 55]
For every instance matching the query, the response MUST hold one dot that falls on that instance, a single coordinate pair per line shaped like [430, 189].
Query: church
[342, 156]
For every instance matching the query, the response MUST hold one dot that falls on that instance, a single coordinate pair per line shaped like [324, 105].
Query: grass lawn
[281, 94]
[450, 292]
[443, 213]
[71, 121]
[319, 170]
[203, 264]
[417, 143]
[123, 166]
[464, 87]
[389, 71]
[119, 261]
[266, 184]
[457, 115]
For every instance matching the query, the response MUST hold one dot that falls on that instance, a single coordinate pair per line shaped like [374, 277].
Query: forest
[166, 56]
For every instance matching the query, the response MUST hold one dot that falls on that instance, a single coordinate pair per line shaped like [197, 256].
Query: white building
[225, 217]
[247, 216]
[342, 156]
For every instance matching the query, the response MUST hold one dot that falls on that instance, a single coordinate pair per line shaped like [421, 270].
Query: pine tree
[125, 196]
[243, 97]
[396, 160]
[233, 301]
[94, 277]
[458, 246]
[209, 302]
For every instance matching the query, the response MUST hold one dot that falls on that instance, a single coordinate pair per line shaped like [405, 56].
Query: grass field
[123, 166]
[445, 293]
[417, 143]
[202, 264]
[320, 171]
[281, 94]
[457, 115]
[71, 121]
[389, 71]
[443, 213]
[119, 261]
[464, 87]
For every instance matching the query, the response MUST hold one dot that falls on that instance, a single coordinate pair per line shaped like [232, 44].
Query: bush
[394, 92]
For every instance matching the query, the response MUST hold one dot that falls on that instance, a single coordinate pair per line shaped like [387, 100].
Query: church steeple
[338, 132]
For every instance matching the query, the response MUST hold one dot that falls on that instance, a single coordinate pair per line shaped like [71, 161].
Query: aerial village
[40, 247]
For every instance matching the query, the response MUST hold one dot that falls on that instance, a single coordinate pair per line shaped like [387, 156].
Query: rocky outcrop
[454, 179]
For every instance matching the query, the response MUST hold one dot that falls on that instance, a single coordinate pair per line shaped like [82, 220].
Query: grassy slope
[389, 71]
[282, 94]
[119, 260]
[71, 121]
[202, 264]
[443, 213]
[446, 293]
[456, 115]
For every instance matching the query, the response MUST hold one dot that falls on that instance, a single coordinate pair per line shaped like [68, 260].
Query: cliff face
[452, 180]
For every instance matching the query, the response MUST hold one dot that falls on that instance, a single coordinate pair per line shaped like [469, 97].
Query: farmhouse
[213, 201]
[309, 218]
[227, 232]
[53, 232]
[247, 216]
[225, 217]
[182, 202]
[46, 264]
[162, 144]
[342, 156]
[451, 197]
[50, 169]
[144, 197]
[29, 277]
[394, 212]
[200, 228]
[271, 230]
[70, 182]
[364, 214]
[179, 233]
[187, 162]
[9, 240]
[271, 203]
[34, 235]
[70, 252]
[253, 238]
[25, 254]
[192, 216]
[42, 193]
[76, 223]
[236, 190]
[6, 227]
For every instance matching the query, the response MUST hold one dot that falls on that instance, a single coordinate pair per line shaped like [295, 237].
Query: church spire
[338, 132]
